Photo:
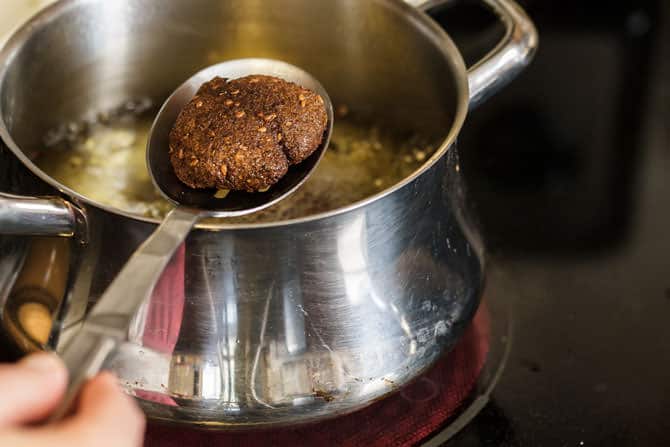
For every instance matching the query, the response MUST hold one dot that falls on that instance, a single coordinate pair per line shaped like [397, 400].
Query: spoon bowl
[236, 203]
[107, 324]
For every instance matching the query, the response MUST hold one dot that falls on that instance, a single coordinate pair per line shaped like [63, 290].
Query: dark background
[568, 171]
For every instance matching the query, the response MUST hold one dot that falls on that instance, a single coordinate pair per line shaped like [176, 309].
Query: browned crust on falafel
[243, 134]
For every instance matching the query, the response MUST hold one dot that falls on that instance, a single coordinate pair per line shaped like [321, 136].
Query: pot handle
[43, 216]
[512, 54]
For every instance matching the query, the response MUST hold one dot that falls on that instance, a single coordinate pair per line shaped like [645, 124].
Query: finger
[31, 388]
[106, 416]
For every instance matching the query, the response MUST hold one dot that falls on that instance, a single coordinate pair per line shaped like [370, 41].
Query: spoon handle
[106, 326]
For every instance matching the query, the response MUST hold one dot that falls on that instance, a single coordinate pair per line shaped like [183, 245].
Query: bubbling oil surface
[104, 160]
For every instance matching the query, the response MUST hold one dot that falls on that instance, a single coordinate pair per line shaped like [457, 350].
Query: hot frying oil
[104, 160]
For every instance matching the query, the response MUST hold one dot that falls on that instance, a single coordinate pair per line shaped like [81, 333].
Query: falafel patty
[243, 134]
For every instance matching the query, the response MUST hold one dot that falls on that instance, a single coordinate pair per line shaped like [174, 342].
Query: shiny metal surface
[507, 59]
[265, 324]
[107, 324]
[48, 216]
[236, 203]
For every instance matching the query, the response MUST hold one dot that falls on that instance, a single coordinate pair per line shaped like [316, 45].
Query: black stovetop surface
[568, 169]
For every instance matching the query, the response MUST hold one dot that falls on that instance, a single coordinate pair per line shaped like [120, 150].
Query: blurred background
[568, 171]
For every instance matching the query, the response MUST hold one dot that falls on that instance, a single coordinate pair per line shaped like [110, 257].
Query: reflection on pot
[37, 293]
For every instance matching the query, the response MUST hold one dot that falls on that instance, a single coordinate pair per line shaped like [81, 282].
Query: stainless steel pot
[269, 323]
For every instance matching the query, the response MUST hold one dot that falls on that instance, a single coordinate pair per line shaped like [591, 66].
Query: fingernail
[42, 362]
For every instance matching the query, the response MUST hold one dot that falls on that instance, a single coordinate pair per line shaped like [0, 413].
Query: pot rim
[421, 21]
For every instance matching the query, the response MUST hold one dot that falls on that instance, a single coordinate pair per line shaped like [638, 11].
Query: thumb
[31, 388]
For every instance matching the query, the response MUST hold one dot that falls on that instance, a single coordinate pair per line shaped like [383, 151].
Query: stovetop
[567, 169]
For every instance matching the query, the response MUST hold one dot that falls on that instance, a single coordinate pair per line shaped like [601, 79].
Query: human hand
[30, 391]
